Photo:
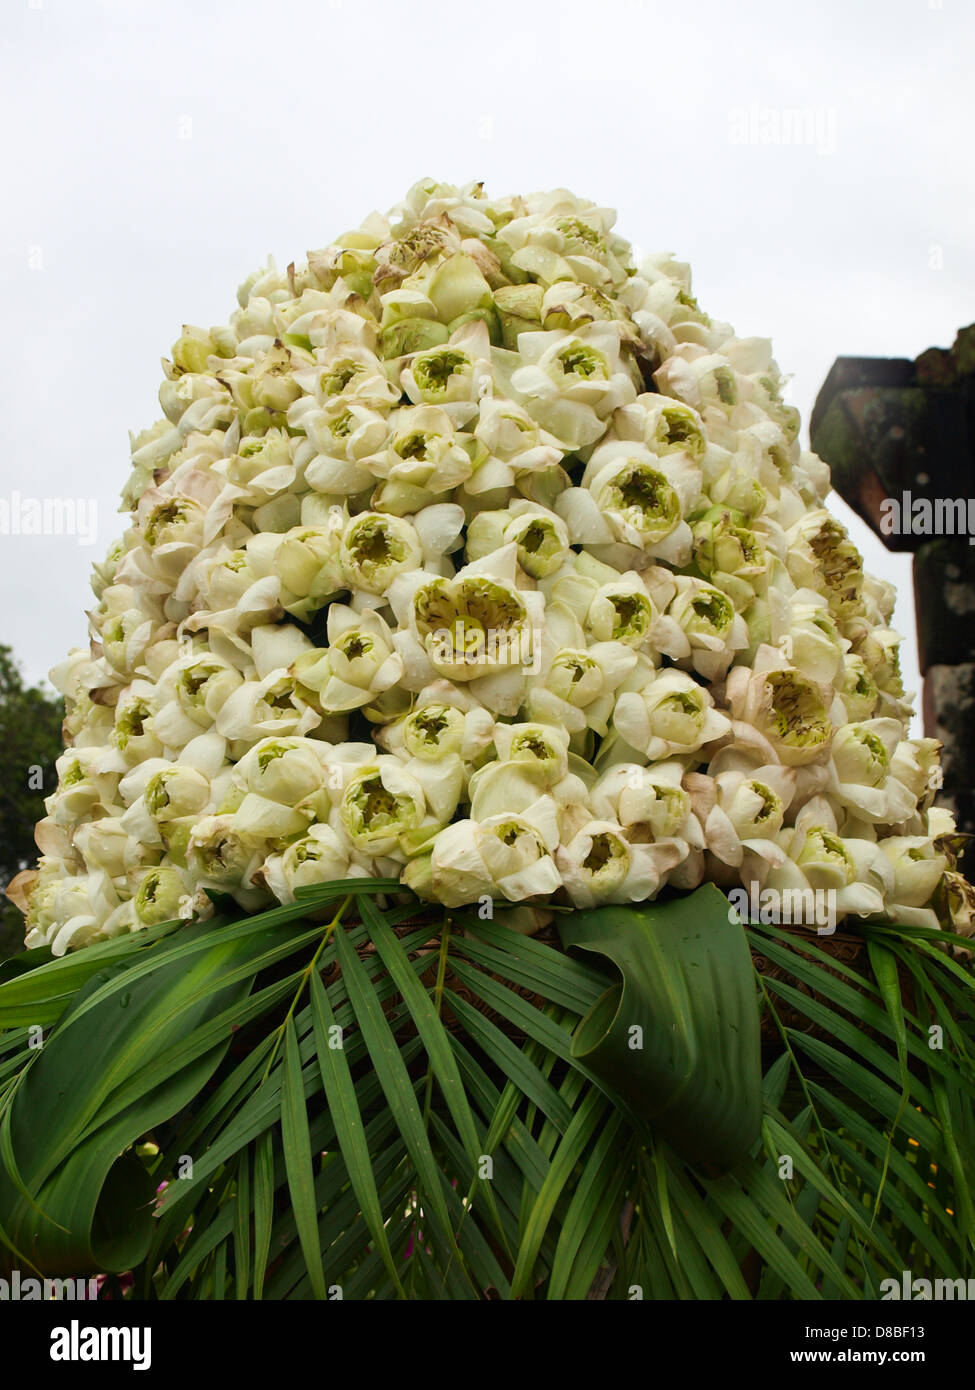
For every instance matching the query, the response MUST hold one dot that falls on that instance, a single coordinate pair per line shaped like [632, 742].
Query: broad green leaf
[89, 1207]
[678, 1035]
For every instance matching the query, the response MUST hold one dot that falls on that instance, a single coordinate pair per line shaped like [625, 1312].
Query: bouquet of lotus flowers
[475, 566]
[474, 555]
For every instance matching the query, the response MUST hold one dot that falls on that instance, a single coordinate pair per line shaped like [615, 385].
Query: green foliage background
[30, 738]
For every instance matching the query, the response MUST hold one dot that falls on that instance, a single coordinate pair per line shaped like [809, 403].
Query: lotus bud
[287, 770]
[434, 732]
[439, 375]
[673, 714]
[542, 540]
[916, 763]
[195, 346]
[813, 643]
[730, 555]
[262, 465]
[357, 667]
[519, 309]
[707, 617]
[471, 624]
[541, 747]
[639, 497]
[380, 803]
[218, 855]
[594, 864]
[917, 866]
[672, 427]
[125, 637]
[133, 733]
[856, 687]
[321, 856]
[202, 687]
[503, 857]
[176, 792]
[458, 287]
[376, 548]
[786, 708]
[621, 612]
[412, 335]
[273, 386]
[307, 560]
[568, 305]
[159, 896]
[821, 556]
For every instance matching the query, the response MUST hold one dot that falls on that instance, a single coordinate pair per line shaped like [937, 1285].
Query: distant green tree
[30, 741]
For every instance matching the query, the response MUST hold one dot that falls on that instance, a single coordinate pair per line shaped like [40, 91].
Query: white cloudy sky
[155, 153]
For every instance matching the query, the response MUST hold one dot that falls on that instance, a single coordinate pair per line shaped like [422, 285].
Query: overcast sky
[155, 153]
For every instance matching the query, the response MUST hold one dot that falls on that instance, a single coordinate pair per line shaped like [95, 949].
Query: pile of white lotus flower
[471, 555]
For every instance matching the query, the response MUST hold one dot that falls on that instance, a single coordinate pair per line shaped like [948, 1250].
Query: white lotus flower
[699, 378]
[821, 556]
[596, 863]
[541, 537]
[272, 707]
[856, 688]
[321, 856]
[261, 468]
[350, 372]
[513, 440]
[358, 666]
[175, 792]
[917, 868]
[67, 911]
[376, 548]
[648, 802]
[503, 857]
[106, 844]
[220, 856]
[422, 461]
[287, 770]
[730, 555]
[571, 382]
[439, 728]
[473, 625]
[446, 376]
[191, 693]
[788, 710]
[306, 559]
[670, 715]
[629, 495]
[82, 787]
[915, 764]
[173, 531]
[861, 776]
[160, 896]
[381, 804]
[577, 686]
[811, 641]
[855, 872]
[664, 426]
[714, 632]
[747, 815]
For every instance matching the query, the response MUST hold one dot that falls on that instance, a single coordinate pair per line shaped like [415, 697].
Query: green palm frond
[352, 1097]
